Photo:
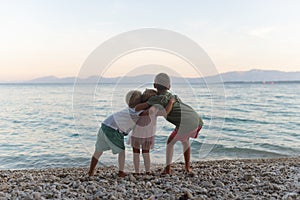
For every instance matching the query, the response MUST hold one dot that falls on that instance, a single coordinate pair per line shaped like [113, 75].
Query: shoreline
[259, 178]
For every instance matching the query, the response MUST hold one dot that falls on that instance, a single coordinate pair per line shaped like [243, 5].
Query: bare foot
[188, 169]
[122, 174]
[167, 170]
[91, 173]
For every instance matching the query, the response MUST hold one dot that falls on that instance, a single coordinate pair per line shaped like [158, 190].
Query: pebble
[188, 193]
[98, 195]
[152, 197]
[36, 195]
[291, 195]
[148, 184]
[219, 184]
[248, 177]
[81, 188]
[132, 178]
[206, 184]
[227, 179]
[203, 190]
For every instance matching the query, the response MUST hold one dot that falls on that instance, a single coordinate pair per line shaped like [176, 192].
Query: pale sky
[54, 37]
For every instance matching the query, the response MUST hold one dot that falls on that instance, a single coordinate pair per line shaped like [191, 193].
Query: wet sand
[221, 179]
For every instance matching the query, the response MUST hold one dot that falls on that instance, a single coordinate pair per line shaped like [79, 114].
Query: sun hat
[163, 79]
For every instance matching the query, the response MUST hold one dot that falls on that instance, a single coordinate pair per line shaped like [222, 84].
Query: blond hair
[133, 98]
[147, 94]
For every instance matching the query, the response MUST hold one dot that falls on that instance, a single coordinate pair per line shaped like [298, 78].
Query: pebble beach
[277, 178]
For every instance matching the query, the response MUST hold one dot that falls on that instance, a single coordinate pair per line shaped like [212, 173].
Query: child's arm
[168, 108]
[154, 100]
[141, 106]
[164, 112]
[145, 112]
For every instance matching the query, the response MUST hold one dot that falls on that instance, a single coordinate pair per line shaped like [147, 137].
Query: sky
[54, 37]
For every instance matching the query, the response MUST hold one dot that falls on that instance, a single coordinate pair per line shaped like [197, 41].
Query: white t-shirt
[123, 120]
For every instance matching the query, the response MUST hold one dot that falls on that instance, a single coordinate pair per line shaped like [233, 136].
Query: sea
[55, 125]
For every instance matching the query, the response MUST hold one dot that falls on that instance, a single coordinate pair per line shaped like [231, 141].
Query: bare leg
[187, 154]
[94, 162]
[169, 155]
[121, 160]
[146, 157]
[136, 160]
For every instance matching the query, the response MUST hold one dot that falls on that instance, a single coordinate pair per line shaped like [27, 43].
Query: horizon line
[70, 76]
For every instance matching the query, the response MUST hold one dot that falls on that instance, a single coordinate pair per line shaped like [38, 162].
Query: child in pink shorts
[186, 120]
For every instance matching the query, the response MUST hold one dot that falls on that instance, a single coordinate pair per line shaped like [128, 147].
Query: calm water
[38, 130]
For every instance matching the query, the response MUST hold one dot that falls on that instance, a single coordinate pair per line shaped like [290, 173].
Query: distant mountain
[52, 79]
[254, 75]
[260, 75]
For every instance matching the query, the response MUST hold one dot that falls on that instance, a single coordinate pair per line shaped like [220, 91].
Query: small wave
[241, 152]
[251, 121]
[219, 150]
[239, 110]
[278, 148]
[42, 161]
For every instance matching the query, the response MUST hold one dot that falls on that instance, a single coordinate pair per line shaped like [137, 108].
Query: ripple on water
[37, 127]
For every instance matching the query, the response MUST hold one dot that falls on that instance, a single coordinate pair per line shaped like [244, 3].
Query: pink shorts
[184, 137]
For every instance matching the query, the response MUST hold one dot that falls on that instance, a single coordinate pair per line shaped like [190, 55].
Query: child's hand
[172, 100]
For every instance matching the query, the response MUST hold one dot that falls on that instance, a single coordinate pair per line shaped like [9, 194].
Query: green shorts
[109, 139]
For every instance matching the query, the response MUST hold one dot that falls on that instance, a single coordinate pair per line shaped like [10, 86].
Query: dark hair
[160, 87]
[147, 94]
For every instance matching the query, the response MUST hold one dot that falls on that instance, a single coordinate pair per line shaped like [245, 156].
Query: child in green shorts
[112, 132]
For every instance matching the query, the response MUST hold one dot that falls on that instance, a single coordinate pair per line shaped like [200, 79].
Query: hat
[163, 79]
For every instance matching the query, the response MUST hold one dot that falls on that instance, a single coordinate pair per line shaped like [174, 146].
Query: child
[112, 132]
[144, 131]
[187, 122]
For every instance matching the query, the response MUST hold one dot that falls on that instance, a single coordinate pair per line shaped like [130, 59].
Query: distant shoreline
[254, 75]
[261, 82]
[227, 82]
